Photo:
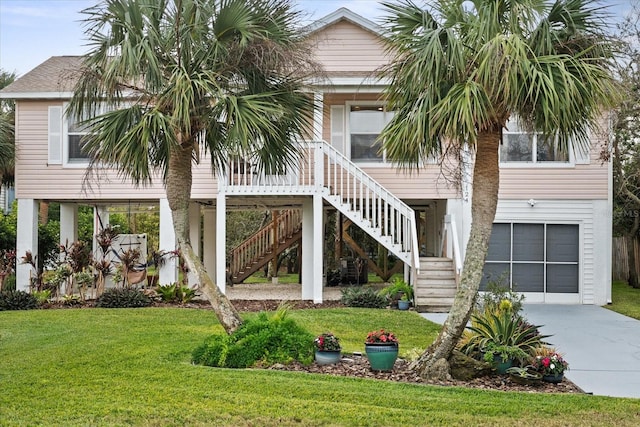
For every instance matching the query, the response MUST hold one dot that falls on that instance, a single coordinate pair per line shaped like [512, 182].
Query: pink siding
[573, 182]
[36, 179]
[347, 48]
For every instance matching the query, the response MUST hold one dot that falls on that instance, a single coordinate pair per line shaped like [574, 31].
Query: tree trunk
[486, 179]
[179, 178]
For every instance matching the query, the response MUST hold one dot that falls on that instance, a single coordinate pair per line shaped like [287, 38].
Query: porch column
[318, 103]
[26, 240]
[209, 242]
[312, 256]
[167, 243]
[195, 235]
[68, 224]
[221, 244]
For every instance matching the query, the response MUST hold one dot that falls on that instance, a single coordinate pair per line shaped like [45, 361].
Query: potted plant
[550, 364]
[403, 302]
[502, 355]
[396, 291]
[327, 348]
[381, 347]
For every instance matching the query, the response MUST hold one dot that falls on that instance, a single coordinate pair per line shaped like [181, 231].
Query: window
[75, 134]
[520, 146]
[365, 124]
[534, 257]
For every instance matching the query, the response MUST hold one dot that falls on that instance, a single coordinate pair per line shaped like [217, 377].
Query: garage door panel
[500, 243]
[562, 278]
[494, 272]
[528, 242]
[562, 243]
[528, 277]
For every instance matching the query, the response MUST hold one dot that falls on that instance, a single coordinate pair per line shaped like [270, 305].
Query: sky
[31, 31]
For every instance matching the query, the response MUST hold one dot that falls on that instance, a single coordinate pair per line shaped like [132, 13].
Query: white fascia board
[36, 95]
[343, 13]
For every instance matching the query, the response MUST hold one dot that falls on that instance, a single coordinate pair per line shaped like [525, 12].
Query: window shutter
[55, 135]
[337, 127]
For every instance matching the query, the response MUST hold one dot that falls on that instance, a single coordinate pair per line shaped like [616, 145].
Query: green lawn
[131, 367]
[626, 300]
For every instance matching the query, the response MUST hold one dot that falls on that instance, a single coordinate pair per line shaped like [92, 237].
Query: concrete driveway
[601, 346]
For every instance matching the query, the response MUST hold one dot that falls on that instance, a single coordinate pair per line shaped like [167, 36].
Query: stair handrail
[262, 241]
[450, 238]
[370, 194]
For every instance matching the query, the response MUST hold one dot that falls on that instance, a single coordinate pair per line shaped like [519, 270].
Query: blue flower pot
[555, 378]
[328, 357]
[382, 356]
[403, 305]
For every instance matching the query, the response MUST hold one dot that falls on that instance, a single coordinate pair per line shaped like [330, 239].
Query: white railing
[321, 168]
[450, 245]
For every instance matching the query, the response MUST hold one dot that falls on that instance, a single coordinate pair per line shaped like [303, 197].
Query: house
[552, 233]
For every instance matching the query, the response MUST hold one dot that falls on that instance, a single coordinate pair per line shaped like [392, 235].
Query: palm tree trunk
[179, 177]
[433, 363]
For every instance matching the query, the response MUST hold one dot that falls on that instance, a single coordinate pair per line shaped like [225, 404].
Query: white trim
[346, 14]
[35, 95]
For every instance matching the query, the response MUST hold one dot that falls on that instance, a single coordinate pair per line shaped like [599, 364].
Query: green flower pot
[382, 356]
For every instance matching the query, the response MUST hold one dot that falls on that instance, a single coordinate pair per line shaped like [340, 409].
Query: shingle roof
[57, 74]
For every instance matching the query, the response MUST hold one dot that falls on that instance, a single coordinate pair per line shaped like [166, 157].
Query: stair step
[433, 308]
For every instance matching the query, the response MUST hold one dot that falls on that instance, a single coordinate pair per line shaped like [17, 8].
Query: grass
[626, 300]
[131, 367]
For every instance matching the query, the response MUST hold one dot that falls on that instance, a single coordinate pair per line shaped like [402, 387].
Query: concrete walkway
[601, 346]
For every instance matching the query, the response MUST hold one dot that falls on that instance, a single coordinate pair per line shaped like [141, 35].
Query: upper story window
[518, 146]
[75, 135]
[365, 124]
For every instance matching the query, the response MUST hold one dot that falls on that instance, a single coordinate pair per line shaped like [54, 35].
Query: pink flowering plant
[381, 336]
[327, 342]
[550, 364]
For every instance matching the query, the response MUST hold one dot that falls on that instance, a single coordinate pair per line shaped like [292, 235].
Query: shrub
[123, 298]
[17, 300]
[496, 293]
[176, 293]
[263, 340]
[364, 296]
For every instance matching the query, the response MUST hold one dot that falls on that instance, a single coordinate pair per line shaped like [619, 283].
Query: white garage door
[537, 258]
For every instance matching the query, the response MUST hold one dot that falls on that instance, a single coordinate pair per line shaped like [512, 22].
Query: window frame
[79, 163]
[534, 163]
[347, 112]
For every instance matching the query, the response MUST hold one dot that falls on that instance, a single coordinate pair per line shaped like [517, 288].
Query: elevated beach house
[552, 232]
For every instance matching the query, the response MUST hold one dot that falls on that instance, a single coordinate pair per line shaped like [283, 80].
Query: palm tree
[181, 78]
[460, 71]
[7, 137]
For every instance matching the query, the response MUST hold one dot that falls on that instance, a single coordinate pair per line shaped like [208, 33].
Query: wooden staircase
[436, 285]
[266, 244]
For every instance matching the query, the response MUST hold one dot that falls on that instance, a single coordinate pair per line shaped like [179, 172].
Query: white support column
[68, 223]
[307, 249]
[195, 234]
[209, 243]
[27, 240]
[221, 245]
[318, 104]
[318, 253]
[167, 243]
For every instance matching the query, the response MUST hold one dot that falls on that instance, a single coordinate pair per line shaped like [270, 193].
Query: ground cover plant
[132, 367]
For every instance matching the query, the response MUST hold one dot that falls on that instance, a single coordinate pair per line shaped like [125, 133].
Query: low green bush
[363, 296]
[17, 300]
[123, 298]
[264, 340]
[176, 293]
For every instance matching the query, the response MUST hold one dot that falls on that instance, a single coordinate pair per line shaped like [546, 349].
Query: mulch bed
[357, 365]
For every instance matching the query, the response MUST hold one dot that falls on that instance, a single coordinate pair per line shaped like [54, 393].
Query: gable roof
[347, 15]
[54, 78]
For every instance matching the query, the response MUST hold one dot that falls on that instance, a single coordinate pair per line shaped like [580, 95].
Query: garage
[538, 258]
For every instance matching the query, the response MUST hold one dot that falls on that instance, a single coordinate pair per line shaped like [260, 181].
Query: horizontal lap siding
[38, 180]
[579, 182]
[568, 212]
[346, 47]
